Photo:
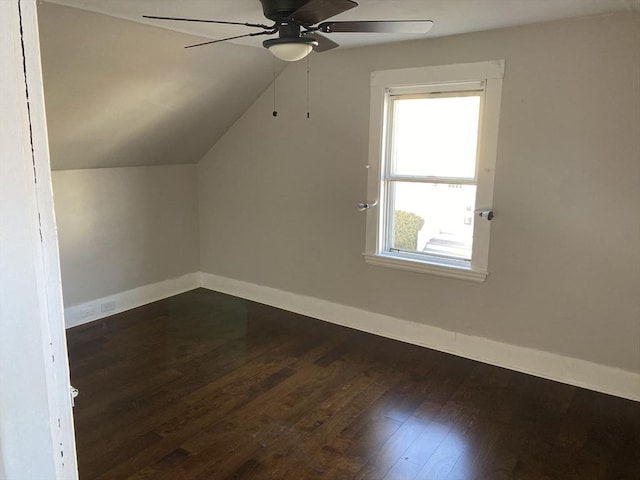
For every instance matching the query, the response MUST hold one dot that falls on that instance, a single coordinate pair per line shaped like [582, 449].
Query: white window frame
[384, 84]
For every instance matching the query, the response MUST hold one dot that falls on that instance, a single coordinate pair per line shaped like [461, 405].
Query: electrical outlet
[108, 306]
[87, 312]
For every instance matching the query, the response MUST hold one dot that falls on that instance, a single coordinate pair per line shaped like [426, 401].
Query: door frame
[36, 432]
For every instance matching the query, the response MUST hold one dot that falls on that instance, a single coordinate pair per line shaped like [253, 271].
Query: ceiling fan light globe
[291, 52]
[291, 48]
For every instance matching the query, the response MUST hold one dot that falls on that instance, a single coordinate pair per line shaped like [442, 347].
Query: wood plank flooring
[208, 386]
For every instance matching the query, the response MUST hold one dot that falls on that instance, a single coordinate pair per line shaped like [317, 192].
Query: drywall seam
[572, 371]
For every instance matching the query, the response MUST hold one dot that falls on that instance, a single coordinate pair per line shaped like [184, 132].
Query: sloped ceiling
[119, 93]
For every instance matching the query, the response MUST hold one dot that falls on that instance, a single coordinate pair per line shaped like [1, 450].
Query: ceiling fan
[297, 23]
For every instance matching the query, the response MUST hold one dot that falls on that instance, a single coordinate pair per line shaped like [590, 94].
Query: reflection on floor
[207, 386]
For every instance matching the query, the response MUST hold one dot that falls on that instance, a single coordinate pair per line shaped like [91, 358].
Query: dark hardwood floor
[208, 386]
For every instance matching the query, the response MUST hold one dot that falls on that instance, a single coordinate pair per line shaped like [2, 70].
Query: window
[432, 157]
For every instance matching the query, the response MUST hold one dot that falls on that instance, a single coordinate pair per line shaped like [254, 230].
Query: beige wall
[122, 228]
[277, 196]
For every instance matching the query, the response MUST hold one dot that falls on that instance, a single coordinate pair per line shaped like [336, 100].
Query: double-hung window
[433, 143]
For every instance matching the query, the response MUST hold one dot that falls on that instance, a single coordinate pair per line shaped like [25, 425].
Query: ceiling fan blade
[230, 38]
[391, 26]
[256, 25]
[324, 43]
[315, 11]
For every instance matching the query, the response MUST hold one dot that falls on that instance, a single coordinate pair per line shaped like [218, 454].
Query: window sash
[436, 88]
[419, 179]
[442, 260]
[476, 89]
[387, 230]
[390, 179]
[431, 91]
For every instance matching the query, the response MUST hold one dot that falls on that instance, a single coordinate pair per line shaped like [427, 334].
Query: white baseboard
[572, 371]
[90, 311]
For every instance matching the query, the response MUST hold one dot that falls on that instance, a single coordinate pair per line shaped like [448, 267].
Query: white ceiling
[450, 16]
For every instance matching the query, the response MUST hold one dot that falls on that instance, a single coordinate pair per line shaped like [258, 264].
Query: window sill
[424, 267]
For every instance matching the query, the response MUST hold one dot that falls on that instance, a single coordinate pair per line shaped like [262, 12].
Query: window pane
[435, 136]
[433, 219]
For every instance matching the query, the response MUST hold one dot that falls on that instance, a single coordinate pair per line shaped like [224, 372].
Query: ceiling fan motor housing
[278, 10]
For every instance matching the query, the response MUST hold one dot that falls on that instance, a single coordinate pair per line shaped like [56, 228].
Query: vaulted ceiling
[121, 90]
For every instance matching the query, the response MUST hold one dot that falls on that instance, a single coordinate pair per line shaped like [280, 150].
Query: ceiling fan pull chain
[308, 109]
[275, 112]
